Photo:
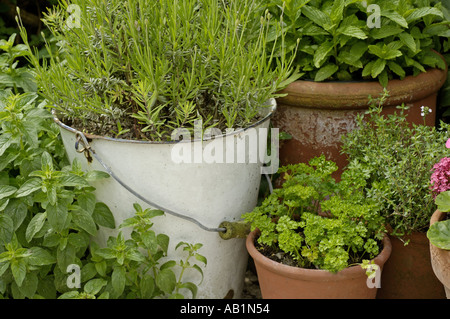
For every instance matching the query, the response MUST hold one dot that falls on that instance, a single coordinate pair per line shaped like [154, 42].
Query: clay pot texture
[408, 273]
[317, 114]
[440, 258]
[278, 281]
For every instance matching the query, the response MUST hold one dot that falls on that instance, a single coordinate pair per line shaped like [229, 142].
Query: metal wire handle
[86, 149]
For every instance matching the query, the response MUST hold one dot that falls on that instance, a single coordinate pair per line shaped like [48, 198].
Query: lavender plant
[144, 68]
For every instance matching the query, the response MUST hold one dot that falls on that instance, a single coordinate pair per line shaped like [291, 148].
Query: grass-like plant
[140, 69]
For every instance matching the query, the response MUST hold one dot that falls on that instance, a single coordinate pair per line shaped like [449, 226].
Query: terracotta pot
[278, 281]
[316, 114]
[408, 273]
[440, 258]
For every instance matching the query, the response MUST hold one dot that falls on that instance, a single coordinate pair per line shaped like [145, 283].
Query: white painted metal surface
[208, 192]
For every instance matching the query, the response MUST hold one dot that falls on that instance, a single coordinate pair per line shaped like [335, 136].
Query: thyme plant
[143, 68]
[396, 159]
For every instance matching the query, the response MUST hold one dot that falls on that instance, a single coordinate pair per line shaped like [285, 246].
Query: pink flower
[440, 179]
[447, 144]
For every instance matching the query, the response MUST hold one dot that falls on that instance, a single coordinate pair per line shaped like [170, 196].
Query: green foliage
[319, 222]
[439, 232]
[340, 40]
[48, 214]
[396, 159]
[160, 65]
[21, 79]
[131, 268]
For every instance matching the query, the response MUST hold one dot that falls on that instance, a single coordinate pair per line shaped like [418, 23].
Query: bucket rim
[271, 104]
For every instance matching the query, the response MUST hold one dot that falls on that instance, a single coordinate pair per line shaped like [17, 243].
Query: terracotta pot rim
[313, 274]
[354, 95]
[437, 216]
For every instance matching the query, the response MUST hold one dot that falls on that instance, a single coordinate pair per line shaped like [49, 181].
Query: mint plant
[337, 40]
[143, 69]
[318, 222]
[396, 159]
[49, 213]
[21, 79]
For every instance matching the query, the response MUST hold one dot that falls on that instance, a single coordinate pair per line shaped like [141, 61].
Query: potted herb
[439, 231]
[347, 51]
[396, 159]
[155, 91]
[310, 237]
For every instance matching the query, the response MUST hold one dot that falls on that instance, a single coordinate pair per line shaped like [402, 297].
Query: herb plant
[48, 213]
[396, 159]
[130, 268]
[21, 79]
[316, 221]
[145, 68]
[362, 40]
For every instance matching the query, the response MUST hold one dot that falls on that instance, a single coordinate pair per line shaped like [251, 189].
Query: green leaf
[378, 67]
[395, 17]
[353, 32]
[29, 187]
[439, 234]
[6, 191]
[191, 286]
[19, 270]
[87, 201]
[35, 225]
[408, 40]
[321, 53]
[72, 180]
[40, 257]
[103, 216]
[18, 211]
[57, 215]
[166, 280]
[93, 176]
[317, 16]
[66, 257]
[29, 285]
[419, 13]
[396, 68]
[385, 31]
[5, 142]
[147, 287]
[6, 228]
[94, 286]
[163, 242]
[442, 201]
[337, 10]
[118, 278]
[326, 72]
[84, 220]
[201, 258]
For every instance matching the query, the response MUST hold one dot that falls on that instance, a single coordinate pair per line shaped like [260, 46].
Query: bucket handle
[87, 149]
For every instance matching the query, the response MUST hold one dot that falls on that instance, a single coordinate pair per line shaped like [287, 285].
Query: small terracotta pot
[317, 114]
[278, 281]
[440, 258]
[408, 273]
